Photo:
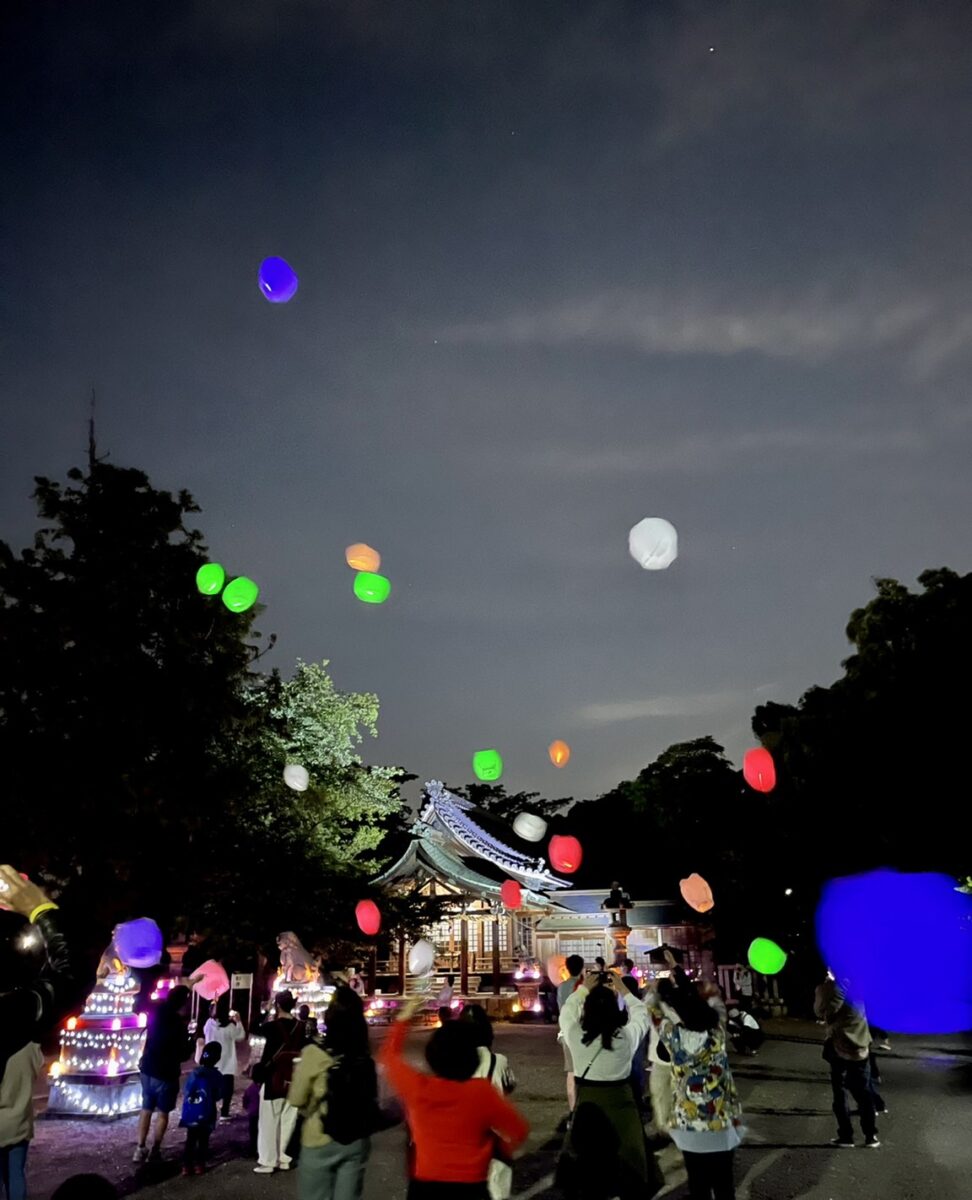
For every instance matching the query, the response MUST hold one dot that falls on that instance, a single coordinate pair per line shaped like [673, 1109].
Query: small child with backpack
[203, 1091]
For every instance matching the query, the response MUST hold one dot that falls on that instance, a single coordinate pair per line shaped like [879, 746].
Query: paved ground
[927, 1150]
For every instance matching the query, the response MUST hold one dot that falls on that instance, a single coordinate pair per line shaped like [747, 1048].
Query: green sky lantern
[210, 579]
[241, 594]
[487, 765]
[766, 957]
[371, 588]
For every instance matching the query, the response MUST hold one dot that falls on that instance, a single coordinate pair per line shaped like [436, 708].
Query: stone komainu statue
[295, 963]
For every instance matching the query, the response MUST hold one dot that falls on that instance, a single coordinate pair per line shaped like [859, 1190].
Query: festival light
[766, 957]
[696, 893]
[278, 280]
[240, 594]
[296, 777]
[368, 916]
[559, 753]
[653, 543]
[361, 557]
[371, 588]
[487, 765]
[566, 854]
[530, 827]
[210, 579]
[759, 770]
[511, 894]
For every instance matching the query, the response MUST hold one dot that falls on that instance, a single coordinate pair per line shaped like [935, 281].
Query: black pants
[197, 1145]
[710, 1175]
[853, 1077]
[229, 1082]
[423, 1189]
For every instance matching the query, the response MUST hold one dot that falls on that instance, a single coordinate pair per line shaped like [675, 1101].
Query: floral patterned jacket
[705, 1092]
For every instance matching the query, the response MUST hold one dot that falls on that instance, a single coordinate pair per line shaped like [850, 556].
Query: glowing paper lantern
[653, 543]
[241, 594]
[421, 957]
[210, 579]
[296, 777]
[766, 957]
[867, 924]
[211, 980]
[139, 943]
[559, 753]
[565, 853]
[278, 280]
[530, 827]
[696, 893]
[556, 968]
[371, 588]
[759, 770]
[487, 765]
[368, 917]
[361, 557]
[511, 894]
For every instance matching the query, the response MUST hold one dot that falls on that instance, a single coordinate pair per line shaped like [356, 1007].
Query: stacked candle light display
[97, 1072]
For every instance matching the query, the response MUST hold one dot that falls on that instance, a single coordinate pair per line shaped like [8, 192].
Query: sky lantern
[210, 579]
[759, 770]
[278, 280]
[487, 765]
[241, 594]
[511, 894]
[556, 969]
[766, 957]
[296, 777]
[368, 916]
[361, 557]
[211, 980]
[653, 543]
[559, 753]
[139, 943]
[371, 588]
[565, 853]
[421, 958]
[696, 893]
[529, 826]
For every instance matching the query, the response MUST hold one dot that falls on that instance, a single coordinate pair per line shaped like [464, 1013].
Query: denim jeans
[853, 1077]
[332, 1172]
[13, 1163]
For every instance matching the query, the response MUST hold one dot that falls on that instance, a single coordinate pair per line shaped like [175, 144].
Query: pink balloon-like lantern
[210, 979]
[565, 853]
[759, 770]
[511, 894]
[368, 916]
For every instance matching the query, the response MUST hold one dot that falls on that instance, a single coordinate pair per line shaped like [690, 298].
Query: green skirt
[605, 1153]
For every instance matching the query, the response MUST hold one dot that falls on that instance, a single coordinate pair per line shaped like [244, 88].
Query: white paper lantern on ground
[296, 777]
[653, 543]
[421, 958]
[530, 827]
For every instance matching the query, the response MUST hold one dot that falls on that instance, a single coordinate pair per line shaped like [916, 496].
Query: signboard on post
[243, 983]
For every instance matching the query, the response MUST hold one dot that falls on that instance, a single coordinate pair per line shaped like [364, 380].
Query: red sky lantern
[368, 917]
[511, 894]
[565, 853]
[759, 770]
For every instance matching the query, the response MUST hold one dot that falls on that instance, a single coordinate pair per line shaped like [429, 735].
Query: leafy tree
[492, 798]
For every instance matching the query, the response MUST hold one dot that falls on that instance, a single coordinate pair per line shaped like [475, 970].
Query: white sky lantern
[296, 777]
[421, 958]
[653, 543]
[530, 827]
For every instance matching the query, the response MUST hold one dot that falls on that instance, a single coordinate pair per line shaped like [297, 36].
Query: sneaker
[155, 1154]
[283, 1166]
[140, 1154]
[872, 1143]
[262, 1170]
[881, 1112]
[842, 1143]
[885, 1045]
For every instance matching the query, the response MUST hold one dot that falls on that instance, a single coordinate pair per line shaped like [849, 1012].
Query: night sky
[563, 265]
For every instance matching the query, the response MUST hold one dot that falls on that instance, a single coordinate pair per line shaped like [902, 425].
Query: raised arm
[401, 1076]
[570, 1014]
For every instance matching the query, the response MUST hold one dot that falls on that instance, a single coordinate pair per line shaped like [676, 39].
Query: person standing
[604, 1155]
[274, 1072]
[660, 1086]
[575, 975]
[204, 1088]
[846, 1050]
[33, 979]
[617, 902]
[458, 1123]
[224, 1026]
[742, 983]
[167, 1046]
[705, 1106]
[335, 1087]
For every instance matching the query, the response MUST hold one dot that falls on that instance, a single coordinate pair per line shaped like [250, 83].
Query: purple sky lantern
[278, 280]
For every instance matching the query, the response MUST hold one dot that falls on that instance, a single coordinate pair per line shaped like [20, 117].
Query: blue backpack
[199, 1103]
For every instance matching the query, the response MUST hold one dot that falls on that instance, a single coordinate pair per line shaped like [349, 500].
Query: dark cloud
[562, 266]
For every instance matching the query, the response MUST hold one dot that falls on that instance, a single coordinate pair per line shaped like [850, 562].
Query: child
[203, 1090]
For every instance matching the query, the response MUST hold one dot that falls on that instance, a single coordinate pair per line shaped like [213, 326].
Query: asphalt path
[926, 1149]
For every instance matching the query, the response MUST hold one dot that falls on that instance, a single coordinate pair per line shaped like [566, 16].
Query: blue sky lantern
[139, 943]
[278, 280]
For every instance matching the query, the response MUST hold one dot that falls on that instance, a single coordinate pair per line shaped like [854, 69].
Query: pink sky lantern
[759, 770]
[367, 915]
[210, 980]
[511, 894]
[565, 853]
[697, 893]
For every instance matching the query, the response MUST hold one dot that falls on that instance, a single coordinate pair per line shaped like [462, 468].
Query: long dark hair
[476, 1016]
[695, 1012]
[602, 1017]
[220, 1010]
[347, 1029]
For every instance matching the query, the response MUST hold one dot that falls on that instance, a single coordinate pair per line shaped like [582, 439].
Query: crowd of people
[314, 1099]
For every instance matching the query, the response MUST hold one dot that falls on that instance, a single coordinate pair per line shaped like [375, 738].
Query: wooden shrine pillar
[496, 956]
[463, 956]
[402, 979]
[373, 970]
